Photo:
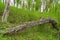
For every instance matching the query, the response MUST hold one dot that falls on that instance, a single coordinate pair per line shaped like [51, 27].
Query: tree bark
[46, 4]
[6, 11]
[43, 5]
[14, 2]
[31, 24]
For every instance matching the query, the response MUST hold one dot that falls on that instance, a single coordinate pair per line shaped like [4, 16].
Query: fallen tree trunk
[31, 24]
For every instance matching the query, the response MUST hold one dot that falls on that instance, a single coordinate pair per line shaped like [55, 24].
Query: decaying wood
[31, 24]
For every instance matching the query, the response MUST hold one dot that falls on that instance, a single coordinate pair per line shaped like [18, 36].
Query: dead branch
[31, 24]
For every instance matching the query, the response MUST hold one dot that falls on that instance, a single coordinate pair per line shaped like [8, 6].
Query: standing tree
[14, 2]
[6, 11]
[46, 5]
[43, 5]
[2, 1]
[17, 2]
[24, 3]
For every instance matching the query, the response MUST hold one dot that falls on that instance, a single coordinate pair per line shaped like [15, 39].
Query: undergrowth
[19, 16]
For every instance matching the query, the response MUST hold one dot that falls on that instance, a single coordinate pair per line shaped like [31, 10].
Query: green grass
[18, 16]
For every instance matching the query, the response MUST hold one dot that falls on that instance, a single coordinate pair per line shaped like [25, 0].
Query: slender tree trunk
[3, 1]
[14, 2]
[6, 11]
[43, 5]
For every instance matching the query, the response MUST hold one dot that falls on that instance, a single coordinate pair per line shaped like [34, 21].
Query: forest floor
[19, 16]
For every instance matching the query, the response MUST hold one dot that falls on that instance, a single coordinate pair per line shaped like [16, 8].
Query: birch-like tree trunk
[43, 5]
[3, 1]
[46, 5]
[14, 2]
[6, 11]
